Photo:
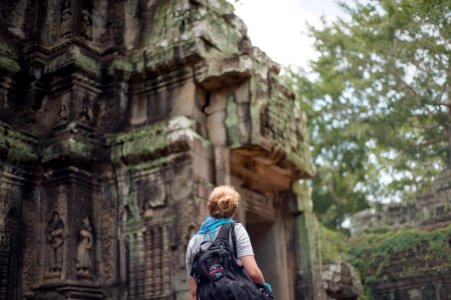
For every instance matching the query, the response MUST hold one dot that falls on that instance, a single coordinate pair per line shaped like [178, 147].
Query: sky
[278, 27]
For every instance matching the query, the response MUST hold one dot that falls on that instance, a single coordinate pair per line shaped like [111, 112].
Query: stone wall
[404, 251]
[404, 264]
[433, 207]
[116, 120]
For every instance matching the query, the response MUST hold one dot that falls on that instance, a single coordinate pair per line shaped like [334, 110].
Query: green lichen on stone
[222, 35]
[308, 252]
[303, 160]
[371, 253]
[179, 30]
[134, 221]
[125, 66]
[282, 120]
[70, 147]
[88, 63]
[153, 141]
[17, 145]
[8, 57]
[309, 244]
[231, 122]
[155, 57]
[303, 244]
[138, 143]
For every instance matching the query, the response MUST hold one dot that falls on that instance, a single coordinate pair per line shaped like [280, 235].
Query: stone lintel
[160, 139]
[263, 170]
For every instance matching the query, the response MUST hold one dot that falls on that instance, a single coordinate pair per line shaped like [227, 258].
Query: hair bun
[223, 202]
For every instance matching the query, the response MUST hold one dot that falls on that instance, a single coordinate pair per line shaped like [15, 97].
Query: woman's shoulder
[239, 227]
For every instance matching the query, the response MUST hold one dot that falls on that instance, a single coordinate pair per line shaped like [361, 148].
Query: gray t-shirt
[243, 244]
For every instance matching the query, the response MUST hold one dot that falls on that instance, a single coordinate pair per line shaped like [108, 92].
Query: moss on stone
[125, 66]
[88, 63]
[231, 122]
[70, 147]
[150, 141]
[333, 245]
[18, 146]
[138, 143]
[371, 253]
[8, 57]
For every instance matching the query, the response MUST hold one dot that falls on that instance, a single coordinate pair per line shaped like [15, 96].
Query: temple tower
[117, 118]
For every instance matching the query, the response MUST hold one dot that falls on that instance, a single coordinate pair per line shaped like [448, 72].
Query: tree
[378, 103]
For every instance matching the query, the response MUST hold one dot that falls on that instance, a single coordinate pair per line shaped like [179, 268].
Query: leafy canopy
[378, 103]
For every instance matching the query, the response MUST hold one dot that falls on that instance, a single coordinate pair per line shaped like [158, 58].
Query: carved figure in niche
[151, 192]
[55, 237]
[62, 114]
[66, 19]
[86, 22]
[84, 115]
[84, 264]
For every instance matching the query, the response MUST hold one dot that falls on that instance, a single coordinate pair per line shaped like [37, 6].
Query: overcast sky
[278, 26]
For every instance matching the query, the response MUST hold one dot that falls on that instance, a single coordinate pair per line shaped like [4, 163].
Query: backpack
[217, 274]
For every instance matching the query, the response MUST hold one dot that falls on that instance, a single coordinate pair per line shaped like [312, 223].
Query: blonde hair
[223, 202]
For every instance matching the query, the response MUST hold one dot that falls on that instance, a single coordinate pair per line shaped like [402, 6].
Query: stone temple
[117, 118]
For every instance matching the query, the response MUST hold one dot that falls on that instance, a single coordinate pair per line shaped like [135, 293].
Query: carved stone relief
[9, 260]
[66, 19]
[106, 243]
[108, 67]
[17, 18]
[55, 239]
[62, 115]
[85, 244]
[86, 20]
[182, 182]
[151, 191]
[30, 263]
[105, 220]
[157, 261]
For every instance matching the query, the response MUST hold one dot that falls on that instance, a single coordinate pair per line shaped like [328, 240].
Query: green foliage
[372, 253]
[333, 245]
[378, 103]
[420, 252]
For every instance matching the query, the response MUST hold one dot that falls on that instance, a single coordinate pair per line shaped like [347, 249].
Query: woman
[222, 206]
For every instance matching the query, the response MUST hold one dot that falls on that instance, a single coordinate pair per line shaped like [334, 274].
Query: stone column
[308, 283]
[217, 133]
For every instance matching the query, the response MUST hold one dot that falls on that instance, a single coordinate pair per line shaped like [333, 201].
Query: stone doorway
[265, 226]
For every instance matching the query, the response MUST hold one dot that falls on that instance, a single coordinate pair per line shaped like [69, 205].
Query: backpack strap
[224, 235]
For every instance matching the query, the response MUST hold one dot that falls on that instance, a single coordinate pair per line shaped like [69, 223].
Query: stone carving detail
[9, 260]
[55, 238]
[84, 262]
[182, 183]
[86, 20]
[66, 19]
[106, 232]
[151, 191]
[29, 262]
[63, 114]
[119, 83]
[157, 261]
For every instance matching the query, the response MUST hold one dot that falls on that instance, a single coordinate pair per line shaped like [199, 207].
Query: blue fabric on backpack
[210, 224]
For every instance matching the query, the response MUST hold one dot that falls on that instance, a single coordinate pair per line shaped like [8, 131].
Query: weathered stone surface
[341, 280]
[428, 209]
[404, 264]
[117, 119]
